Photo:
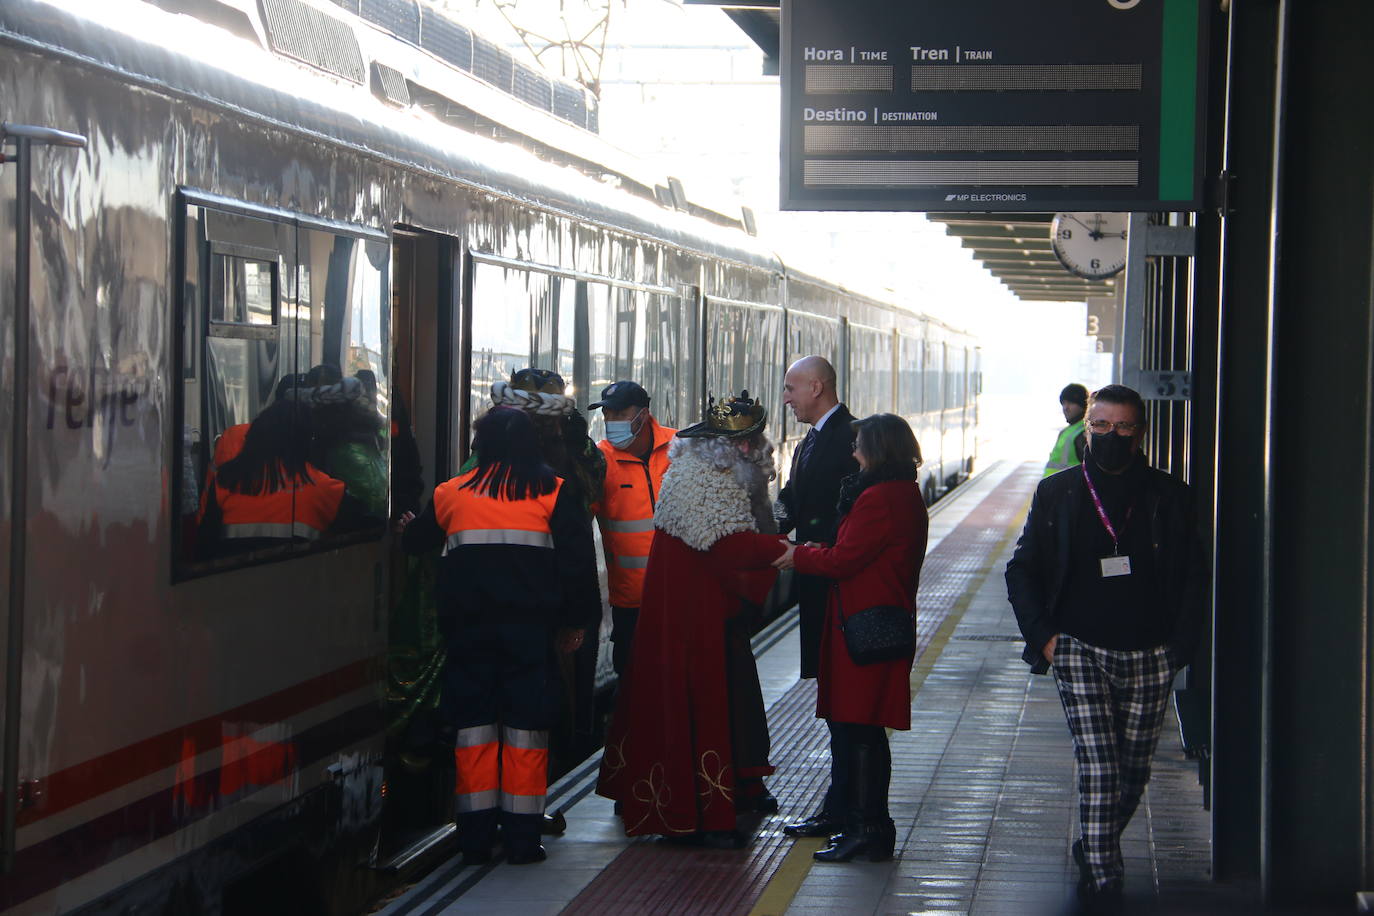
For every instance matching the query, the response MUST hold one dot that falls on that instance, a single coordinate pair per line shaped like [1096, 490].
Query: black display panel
[992, 105]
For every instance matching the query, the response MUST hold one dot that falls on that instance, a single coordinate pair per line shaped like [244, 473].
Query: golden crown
[733, 413]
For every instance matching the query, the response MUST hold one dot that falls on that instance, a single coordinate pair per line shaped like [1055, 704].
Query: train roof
[181, 56]
[529, 156]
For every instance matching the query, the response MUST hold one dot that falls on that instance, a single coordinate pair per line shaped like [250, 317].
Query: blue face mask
[621, 433]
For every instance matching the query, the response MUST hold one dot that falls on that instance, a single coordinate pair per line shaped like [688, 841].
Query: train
[208, 195]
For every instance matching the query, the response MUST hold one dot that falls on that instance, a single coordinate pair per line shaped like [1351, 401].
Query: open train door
[425, 328]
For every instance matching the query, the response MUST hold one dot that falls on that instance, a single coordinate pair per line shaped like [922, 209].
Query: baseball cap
[619, 395]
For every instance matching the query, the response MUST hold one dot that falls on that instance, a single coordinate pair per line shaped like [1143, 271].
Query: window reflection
[286, 388]
[242, 290]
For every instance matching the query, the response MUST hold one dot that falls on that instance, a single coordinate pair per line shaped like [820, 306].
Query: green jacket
[1068, 449]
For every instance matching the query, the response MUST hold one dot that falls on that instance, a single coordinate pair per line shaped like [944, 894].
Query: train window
[285, 360]
[870, 370]
[592, 333]
[910, 357]
[629, 333]
[954, 371]
[745, 349]
[503, 338]
[570, 304]
[343, 336]
[810, 335]
[934, 375]
[666, 361]
[605, 355]
[242, 290]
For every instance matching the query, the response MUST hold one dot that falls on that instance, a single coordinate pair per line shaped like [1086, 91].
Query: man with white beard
[688, 748]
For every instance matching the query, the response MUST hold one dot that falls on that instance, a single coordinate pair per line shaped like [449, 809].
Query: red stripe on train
[95, 777]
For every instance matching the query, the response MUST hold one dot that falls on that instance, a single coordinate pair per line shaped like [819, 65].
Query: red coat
[668, 757]
[876, 560]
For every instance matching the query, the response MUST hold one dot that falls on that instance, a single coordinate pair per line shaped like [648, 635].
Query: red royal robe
[668, 756]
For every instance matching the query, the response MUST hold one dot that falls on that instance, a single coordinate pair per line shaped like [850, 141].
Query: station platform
[982, 785]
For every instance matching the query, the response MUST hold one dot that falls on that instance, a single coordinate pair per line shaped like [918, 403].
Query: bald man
[824, 457]
[807, 506]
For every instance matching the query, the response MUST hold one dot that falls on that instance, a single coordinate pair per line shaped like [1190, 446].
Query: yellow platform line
[787, 880]
[778, 894]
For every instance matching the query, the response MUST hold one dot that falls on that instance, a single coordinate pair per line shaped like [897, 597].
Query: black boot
[862, 835]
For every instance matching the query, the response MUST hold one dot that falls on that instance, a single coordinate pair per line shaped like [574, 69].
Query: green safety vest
[1064, 455]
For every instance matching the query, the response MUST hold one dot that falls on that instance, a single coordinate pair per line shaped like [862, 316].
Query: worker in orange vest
[517, 579]
[230, 442]
[636, 450]
[269, 493]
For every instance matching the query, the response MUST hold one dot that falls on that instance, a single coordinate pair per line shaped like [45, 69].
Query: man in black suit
[807, 506]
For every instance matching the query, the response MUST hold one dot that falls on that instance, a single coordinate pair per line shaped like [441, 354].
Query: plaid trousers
[1114, 701]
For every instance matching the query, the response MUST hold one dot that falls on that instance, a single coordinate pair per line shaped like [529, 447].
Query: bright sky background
[682, 88]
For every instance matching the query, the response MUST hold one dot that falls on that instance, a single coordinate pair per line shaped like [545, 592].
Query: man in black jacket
[807, 506]
[1109, 586]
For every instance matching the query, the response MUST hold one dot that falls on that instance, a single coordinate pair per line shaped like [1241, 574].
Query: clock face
[1090, 245]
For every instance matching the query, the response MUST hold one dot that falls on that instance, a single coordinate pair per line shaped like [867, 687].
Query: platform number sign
[1156, 385]
[1000, 105]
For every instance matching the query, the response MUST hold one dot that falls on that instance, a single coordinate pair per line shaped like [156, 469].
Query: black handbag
[882, 633]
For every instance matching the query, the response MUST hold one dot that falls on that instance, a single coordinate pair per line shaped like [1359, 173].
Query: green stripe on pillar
[1178, 100]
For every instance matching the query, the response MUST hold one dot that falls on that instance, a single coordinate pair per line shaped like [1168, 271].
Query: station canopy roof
[1013, 247]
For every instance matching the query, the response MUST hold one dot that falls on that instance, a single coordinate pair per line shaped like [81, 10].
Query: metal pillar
[1294, 746]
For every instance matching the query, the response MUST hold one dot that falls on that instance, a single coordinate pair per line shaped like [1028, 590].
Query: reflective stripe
[479, 801]
[632, 562]
[271, 530]
[469, 517]
[498, 536]
[629, 526]
[523, 737]
[476, 735]
[522, 804]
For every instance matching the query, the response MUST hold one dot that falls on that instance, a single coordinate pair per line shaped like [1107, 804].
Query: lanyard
[1102, 513]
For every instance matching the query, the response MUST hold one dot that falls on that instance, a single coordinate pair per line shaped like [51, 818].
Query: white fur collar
[700, 503]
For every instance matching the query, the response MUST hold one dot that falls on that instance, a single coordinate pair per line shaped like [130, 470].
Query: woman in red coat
[876, 560]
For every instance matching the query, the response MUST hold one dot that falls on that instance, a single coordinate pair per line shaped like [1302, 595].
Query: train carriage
[180, 721]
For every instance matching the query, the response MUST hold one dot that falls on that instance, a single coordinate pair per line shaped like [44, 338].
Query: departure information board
[992, 105]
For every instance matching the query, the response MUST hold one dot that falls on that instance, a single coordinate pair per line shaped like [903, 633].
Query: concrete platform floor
[982, 791]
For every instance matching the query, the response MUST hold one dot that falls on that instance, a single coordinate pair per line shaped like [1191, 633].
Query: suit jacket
[808, 501]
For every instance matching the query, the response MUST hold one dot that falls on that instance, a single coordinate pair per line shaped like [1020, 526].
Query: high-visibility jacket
[471, 516]
[229, 444]
[1065, 454]
[527, 561]
[626, 512]
[304, 509]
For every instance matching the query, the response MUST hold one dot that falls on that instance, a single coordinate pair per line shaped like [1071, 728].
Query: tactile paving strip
[649, 877]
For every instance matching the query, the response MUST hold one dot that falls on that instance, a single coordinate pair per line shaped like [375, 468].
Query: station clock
[1090, 245]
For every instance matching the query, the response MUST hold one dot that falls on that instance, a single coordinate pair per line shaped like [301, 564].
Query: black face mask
[1111, 452]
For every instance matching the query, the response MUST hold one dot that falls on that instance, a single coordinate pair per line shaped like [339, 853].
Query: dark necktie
[804, 452]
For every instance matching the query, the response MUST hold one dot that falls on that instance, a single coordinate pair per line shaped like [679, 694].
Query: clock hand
[1093, 234]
